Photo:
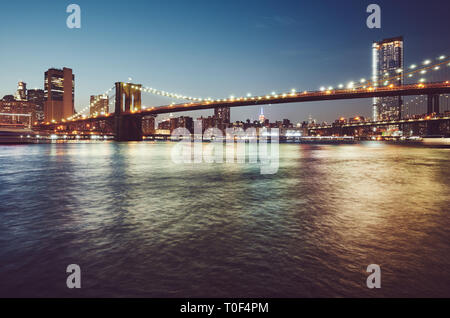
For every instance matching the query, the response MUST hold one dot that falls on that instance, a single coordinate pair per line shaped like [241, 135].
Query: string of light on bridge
[362, 84]
[155, 91]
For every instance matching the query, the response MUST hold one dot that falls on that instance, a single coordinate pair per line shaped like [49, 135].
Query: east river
[140, 225]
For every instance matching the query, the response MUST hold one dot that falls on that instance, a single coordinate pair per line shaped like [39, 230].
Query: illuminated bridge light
[322, 89]
[442, 57]
[426, 62]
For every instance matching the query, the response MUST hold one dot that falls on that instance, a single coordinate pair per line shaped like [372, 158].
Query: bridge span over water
[126, 121]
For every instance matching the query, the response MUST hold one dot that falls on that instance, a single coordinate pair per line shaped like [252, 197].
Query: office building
[99, 105]
[36, 96]
[222, 115]
[21, 94]
[59, 90]
[19, 112]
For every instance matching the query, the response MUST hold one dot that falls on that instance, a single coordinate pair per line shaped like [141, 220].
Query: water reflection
[140, 225]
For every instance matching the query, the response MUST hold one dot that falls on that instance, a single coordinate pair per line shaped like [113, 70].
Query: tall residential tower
[387, 69]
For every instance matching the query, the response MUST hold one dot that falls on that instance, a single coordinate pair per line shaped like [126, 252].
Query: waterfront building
[222, 117]
[21, 94]
[17, 109]
[387, 69]
[99, 105]
[36, 96]
[148, 125]
[59, 92]
[222, 114]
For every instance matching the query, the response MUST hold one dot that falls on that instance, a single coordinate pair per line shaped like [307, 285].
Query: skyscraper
[21, 94]
[36, 96]
[222, 117]
[222, 114]
[387, 69]
[261, 116]
[99, 105]
[59, 89]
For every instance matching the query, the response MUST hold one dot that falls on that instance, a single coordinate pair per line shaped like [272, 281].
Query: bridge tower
[127, 124]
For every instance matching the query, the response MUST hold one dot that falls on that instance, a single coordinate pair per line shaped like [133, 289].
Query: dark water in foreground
[140, 225]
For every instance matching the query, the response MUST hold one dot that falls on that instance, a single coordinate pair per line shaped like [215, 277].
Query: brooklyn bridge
[125, 123]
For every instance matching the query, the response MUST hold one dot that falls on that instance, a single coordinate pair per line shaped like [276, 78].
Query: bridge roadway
[131, 119]
[404, 90]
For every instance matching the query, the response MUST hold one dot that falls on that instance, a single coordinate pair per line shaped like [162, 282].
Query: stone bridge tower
[128, 124]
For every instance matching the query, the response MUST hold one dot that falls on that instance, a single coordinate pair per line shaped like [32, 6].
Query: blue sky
[215, 48]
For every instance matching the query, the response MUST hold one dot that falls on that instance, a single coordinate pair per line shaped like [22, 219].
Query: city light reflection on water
[140, 225]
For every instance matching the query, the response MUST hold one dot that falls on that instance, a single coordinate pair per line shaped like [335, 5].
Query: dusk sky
[215, 48]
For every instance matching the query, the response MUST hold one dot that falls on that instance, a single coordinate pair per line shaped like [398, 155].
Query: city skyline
[236, 72]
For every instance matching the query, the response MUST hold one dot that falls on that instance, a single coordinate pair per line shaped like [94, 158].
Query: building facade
[387, 69]
[59, 92]
[36, 96]
[222, 114]
[222, 117]
[17, 112]
[99, 105]
[21, 93]
[148, 125]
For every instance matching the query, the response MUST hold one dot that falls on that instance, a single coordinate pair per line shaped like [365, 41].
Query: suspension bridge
[125, 123]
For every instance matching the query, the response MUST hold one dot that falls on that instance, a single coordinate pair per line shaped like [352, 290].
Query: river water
[139, 225]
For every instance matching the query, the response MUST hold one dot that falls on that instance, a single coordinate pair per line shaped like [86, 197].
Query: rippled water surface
[140, 225]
